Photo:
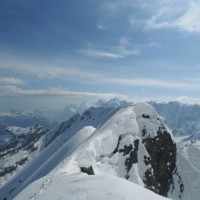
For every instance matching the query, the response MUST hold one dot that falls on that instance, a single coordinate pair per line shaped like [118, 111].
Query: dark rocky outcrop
[117, 147]
[8, 170]
[21, 162]
[132, 151]
[161, 160]
[162, 151]
[88, 170]
[145, 116]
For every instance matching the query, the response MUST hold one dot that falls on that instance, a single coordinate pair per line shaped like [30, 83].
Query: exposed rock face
[162, 151]
[160, 161]
[88, 170]
[132, 151]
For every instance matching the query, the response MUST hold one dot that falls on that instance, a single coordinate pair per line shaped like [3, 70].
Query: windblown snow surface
[100, 143]
[83, 187]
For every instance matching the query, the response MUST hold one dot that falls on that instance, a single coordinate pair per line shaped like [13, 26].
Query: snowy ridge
[58, 149]
[131, 142]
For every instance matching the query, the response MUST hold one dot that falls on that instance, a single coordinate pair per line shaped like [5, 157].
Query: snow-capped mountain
[24, 118]
[18, 146]
[72, 109]
[130, 142]
[182, 119]
[114, 102]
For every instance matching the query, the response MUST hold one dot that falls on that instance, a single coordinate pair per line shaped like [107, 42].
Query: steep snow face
[80, 186]
[92, 117]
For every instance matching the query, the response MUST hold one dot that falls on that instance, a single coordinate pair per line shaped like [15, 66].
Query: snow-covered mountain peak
[114, 102]
[122, 147]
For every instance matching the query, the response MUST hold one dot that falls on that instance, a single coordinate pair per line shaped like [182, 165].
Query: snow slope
[83, 187]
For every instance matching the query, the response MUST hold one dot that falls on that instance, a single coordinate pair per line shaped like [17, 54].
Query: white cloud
[123, 49]
[188, 100]
[181, 15]
[101, 26]
[190, 20]
[186, 18]
[80, 75]
[45, 69]
[154, 83]
[101, 53]
[10, 81]
[9, 90]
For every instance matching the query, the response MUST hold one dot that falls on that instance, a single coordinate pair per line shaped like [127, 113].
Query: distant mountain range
[24, 119]
[182, 119]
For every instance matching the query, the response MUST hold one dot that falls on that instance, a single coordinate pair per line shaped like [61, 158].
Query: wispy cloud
[9, 90]
[43, 69]
[154, 83]
[64, 71]
[101, 26]
[190, 20]
[122, 49]
[11, 81]
[101, 53]
[163, 14]
[186, 18]
[182, 16]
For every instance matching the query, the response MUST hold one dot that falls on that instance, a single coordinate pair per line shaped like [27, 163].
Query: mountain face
[182, 119]
[130, 142]
[24, 119]
[17, 147]
[114, 102]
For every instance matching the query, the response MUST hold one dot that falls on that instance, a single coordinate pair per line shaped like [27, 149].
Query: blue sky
[56, 52]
